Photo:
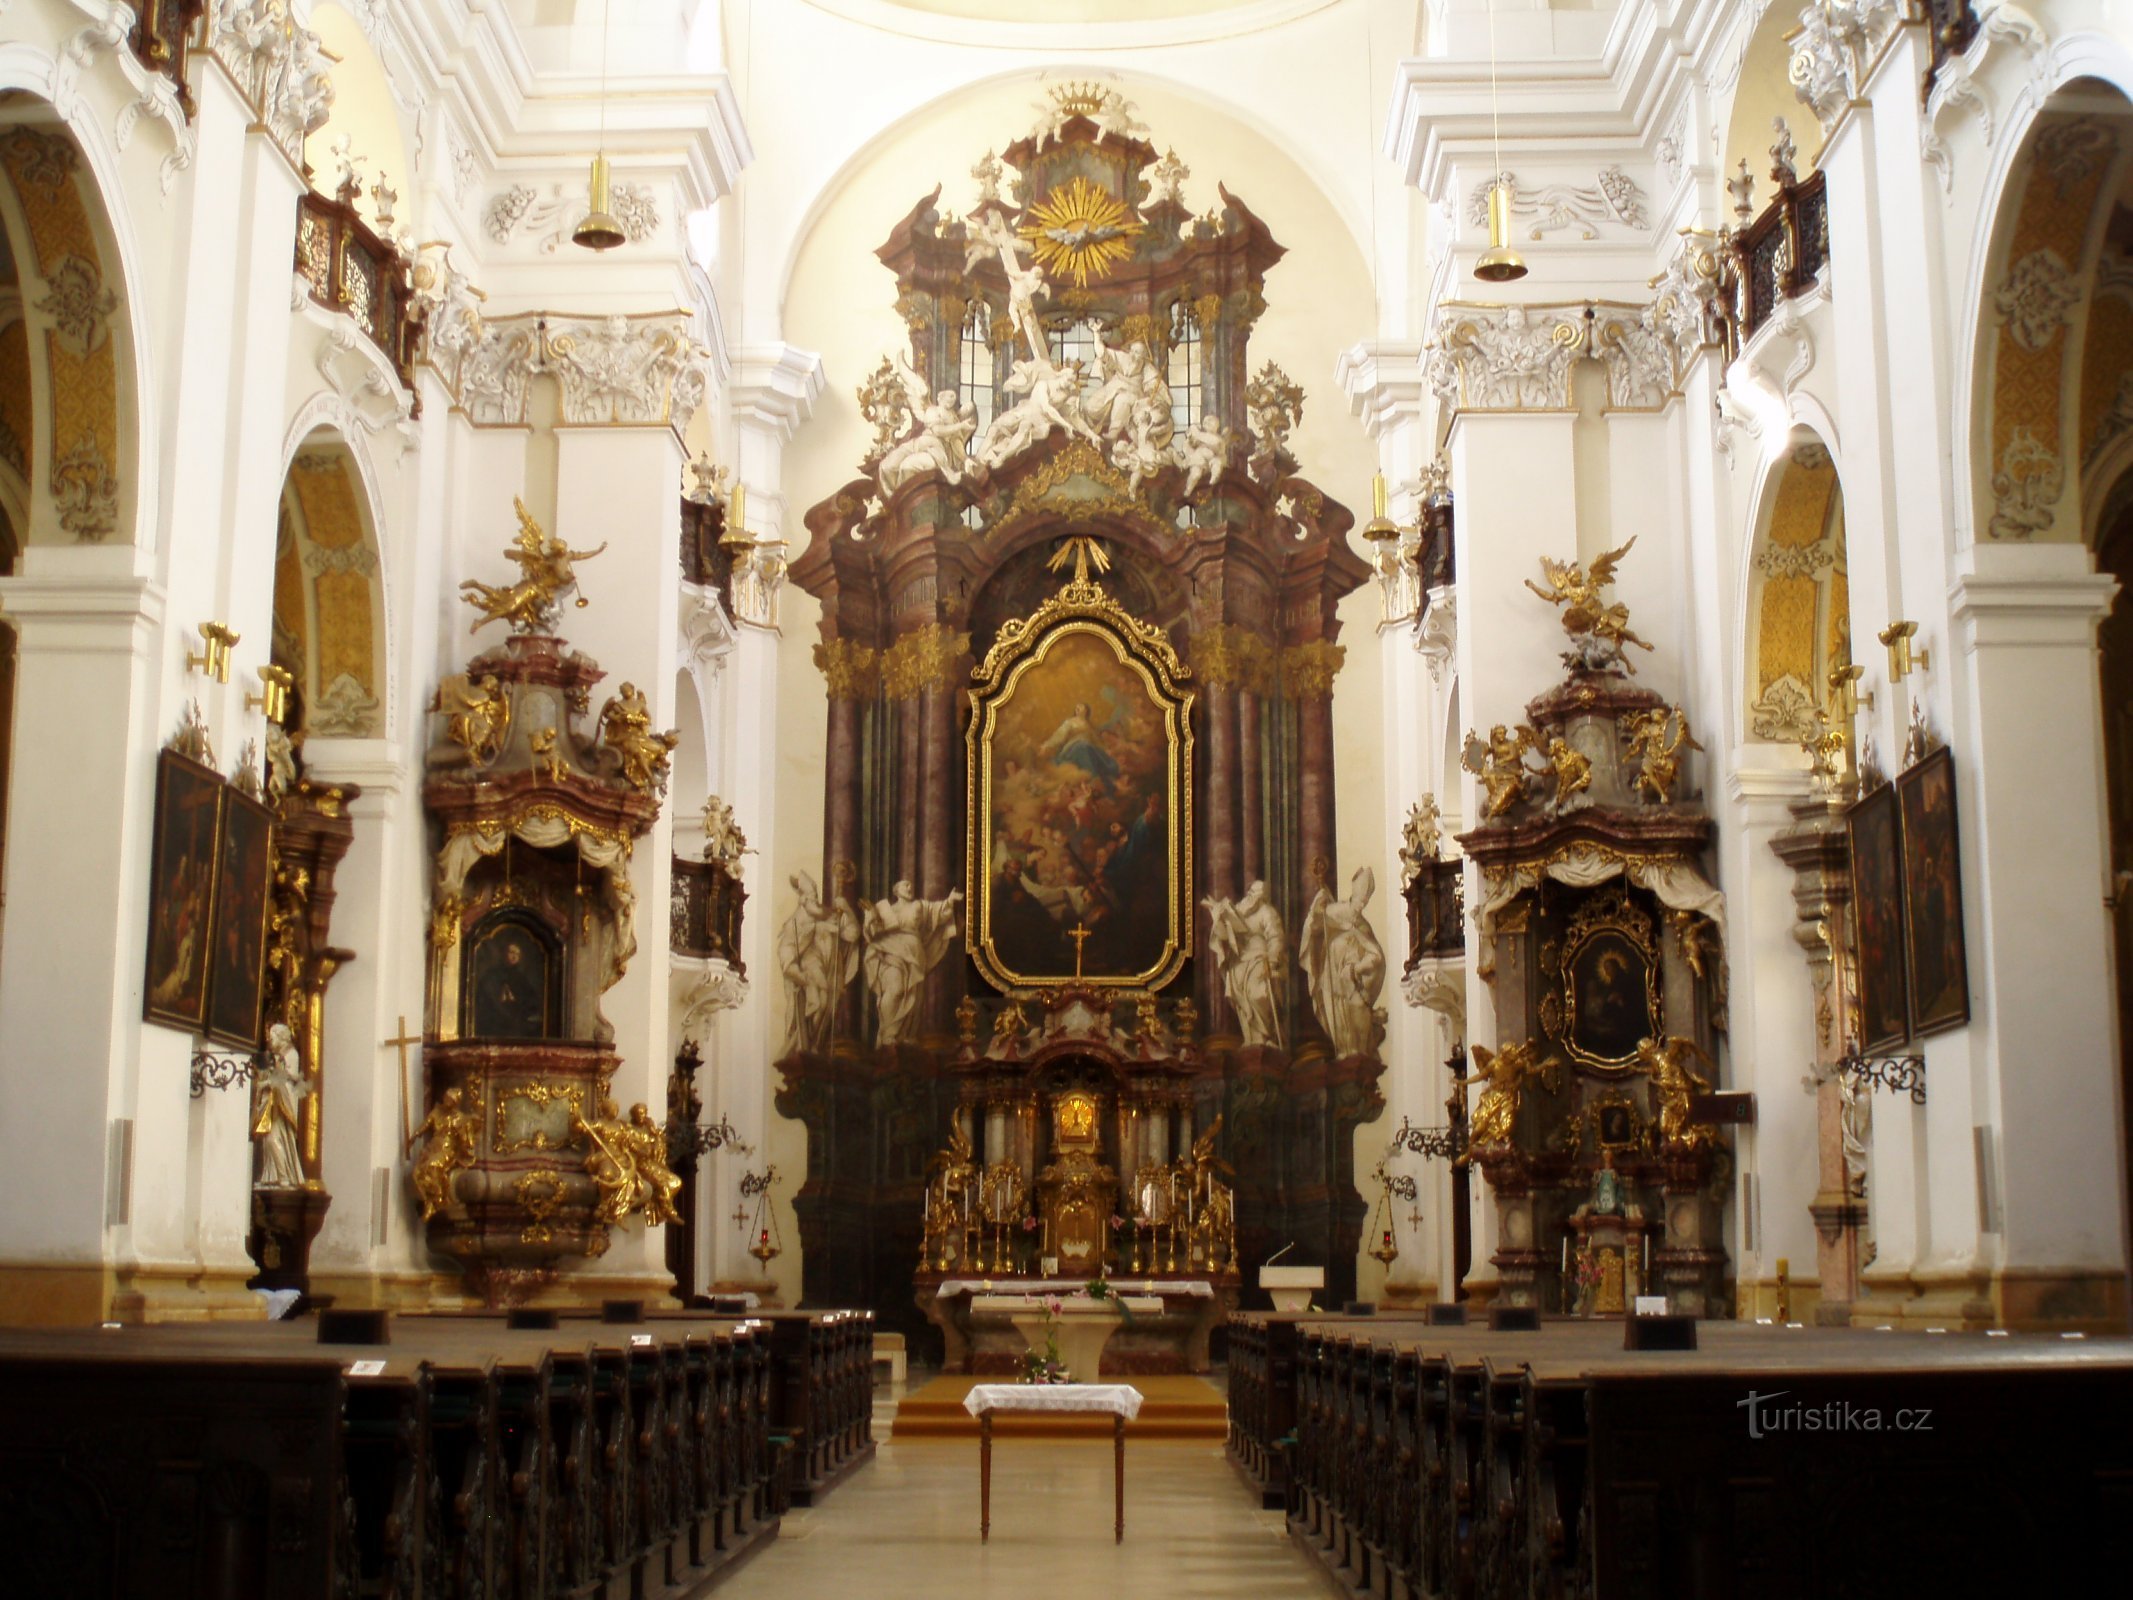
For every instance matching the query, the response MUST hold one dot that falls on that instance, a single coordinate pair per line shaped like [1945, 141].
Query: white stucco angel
[1203, 450]
[278, 1097]
[818, 951]
[1345, 964]
[1145, 448]
[942, 443]
[1046, 400]
[906, 938]
[1250, 948]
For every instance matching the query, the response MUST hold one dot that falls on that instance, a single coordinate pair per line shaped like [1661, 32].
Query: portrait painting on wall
[511, 976]
[1609, 998]
[1935, 960]
[181, 893]
[1078, 762]
[1877, 904]
[244, 875]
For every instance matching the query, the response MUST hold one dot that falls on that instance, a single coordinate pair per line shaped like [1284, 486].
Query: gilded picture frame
[244, 881]
[181, 892]
[1610, 983]
[1878, 918]
[1936, 965]
[1080, 800]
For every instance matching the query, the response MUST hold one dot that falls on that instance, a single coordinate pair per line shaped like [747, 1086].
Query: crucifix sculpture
[1080, 936]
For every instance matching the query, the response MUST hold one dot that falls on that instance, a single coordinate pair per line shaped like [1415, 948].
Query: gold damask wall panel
[74, 303]
[1801, 514]
[331, 518]
[344, 629]
[2106, 364]
[1785, 640]
[290, 622]
[2044, 278]
[15, 414]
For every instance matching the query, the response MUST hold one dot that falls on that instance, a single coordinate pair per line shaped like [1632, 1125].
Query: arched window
[1186, 401]
[978, 374]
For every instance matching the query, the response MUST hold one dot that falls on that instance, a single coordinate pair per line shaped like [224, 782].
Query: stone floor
[905, 1527]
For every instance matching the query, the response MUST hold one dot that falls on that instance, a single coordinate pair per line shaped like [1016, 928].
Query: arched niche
[67, 428]
[329, 597]
[1799, 597]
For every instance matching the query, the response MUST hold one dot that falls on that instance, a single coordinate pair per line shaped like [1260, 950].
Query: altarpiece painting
[1877, 899]
[244, 873]
[1080, 752]
[1935, 959]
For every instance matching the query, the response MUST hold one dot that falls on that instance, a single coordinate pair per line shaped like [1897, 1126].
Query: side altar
[1071, 1156]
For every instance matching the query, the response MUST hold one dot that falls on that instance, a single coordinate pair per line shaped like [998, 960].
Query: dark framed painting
[1935, 962]
[513, 979]
[1877, 913]
[181, 892]
[1609, 1001]
[1080, 802]
[244, 877]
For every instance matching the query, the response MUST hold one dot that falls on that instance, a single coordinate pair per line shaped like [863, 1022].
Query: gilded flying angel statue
[1586, 615]
[533, 604]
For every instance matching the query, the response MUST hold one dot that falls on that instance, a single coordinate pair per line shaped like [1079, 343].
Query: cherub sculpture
[626, 730]
[1499, 762]
[547, 574]
[1503, 1075]
[1573, 773]
[1598, 629]
[1657, 755]
[451, 1137]
[1202, 451]
[477, 717]
[1674, 1084]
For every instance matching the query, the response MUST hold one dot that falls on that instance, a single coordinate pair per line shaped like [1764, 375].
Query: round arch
[330, 616]
[1796, 610]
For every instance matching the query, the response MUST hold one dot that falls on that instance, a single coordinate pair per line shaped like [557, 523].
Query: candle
[1566, 1255]
[737, 509]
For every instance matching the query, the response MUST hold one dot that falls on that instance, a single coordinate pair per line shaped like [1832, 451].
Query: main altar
[1078, 926]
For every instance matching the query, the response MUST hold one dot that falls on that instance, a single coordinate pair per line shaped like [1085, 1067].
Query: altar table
[1122, 1400]
[984, 1343]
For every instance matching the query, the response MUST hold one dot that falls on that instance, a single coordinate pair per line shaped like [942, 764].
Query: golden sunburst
[1081, 230]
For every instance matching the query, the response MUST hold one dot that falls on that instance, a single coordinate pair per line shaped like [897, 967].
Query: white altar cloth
[1120, 1399]
[1192, 1288]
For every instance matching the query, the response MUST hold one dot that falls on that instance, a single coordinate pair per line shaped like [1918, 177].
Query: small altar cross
[407, 1135]
[1080, 936]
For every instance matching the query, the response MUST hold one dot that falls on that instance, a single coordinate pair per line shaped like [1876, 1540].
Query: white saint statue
[1250, 949]
[278, 1097]
[906, 938]
[1346, 966]
[818, 951]
[942, 442]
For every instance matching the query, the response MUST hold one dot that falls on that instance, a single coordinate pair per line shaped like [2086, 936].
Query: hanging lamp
[600, 230]
[1499, 263]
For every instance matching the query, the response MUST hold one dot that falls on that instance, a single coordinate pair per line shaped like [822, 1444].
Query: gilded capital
[922, 659]
[849, 669]
[1308, 669]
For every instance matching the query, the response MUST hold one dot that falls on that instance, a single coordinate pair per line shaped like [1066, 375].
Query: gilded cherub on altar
[627, 1163]
[1503, 1075]
[1656, 753]
[1674, 1084]
[451, 1138]
[1573, 773]
[626, 730]
[548, 572]
[1499, 762]
[1598, 628]
[477, 717]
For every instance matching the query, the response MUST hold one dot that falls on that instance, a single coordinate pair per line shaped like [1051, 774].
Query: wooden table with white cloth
[1122, 1400]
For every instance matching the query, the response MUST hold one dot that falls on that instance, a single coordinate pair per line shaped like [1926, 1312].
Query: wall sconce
[1845, 695]
[273, 697]
[213, 657]
[1902, 658]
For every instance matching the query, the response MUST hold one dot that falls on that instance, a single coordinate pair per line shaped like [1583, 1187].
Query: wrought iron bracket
[1431, 1144]
[1897, 1074]
[216, 1070]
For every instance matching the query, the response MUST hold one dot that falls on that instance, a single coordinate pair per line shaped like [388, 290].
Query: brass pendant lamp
[1499, 263]
[600, 230]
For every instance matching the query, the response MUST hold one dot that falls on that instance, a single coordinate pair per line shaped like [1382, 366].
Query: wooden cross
[1080, 936]
[407, 1134]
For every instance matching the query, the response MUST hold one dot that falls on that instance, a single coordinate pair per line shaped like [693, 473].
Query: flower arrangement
[1045, 1367]
[1585, 1277]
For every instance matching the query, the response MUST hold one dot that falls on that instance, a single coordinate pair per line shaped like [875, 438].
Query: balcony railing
[161, 31]
[1775, 258]
[1951, 25]
[706, 912]
[1436, 911]
[346, 267]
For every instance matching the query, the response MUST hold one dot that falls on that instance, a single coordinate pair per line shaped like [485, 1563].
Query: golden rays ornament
[1081, 230]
